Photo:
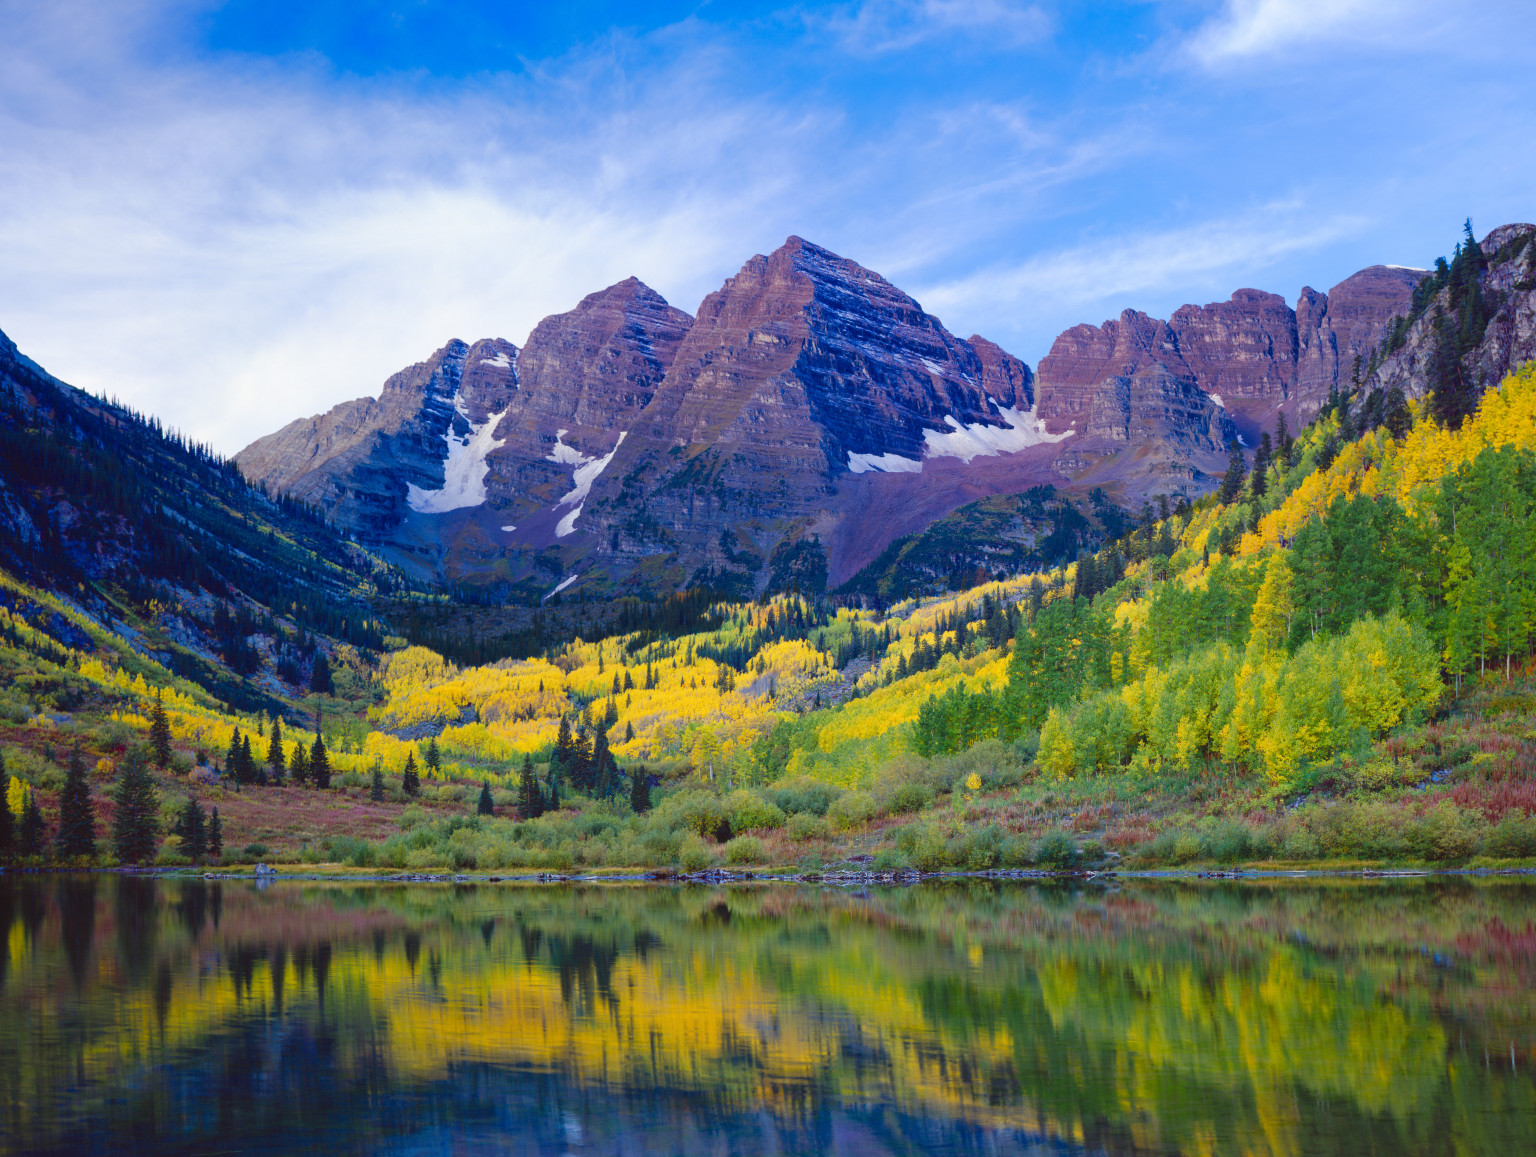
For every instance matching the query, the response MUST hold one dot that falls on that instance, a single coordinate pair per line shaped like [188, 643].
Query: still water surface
[1280, 1017]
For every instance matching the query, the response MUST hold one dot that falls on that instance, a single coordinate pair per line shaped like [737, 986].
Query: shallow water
[1284, 1017]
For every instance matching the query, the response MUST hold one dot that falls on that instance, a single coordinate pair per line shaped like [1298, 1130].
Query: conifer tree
[160, 733]
[629, 731]
[410, 782]
[376, 788]
[611, 716]
[298, 765]
[77, 819]
[276, 763]
[1237, 470]
[530, 800]
[191, 826]
[320, 676]
[433, 758]
[605, 769]
[639, 790]
[215, 835]
[1260, 480]
[253, 773]
[31, 833]
[486, 805]
[320, 765]
[7, 822]
[232, 760]
[136, 822]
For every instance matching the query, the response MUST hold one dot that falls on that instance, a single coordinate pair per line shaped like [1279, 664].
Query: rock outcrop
[1253, 355]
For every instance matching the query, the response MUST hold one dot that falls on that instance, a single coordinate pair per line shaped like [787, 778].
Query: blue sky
[236, 214]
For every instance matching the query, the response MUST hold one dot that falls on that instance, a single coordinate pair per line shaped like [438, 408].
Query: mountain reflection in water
[1279, 1017]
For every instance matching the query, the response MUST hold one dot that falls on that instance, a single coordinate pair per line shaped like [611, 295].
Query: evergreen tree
[376, 788]
[136, 821]
[277, 765]
[7, 822]
[215, 835]
[234, 762]
[320, 765]
[253, 773]
[1237, 470]
[605, 769]
[530, 800]
[433, 758]
[1284, 443]
[77, 819]
[639, 790]
[1260, 480]
[191, 826]
[31, 833]
[160, 734]
[410, 782]
[298, 765]
[320, 676]
[486, 805]
[611, 716]
[629, 731]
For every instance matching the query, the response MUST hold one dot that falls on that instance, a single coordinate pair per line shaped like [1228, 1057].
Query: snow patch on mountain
[587, 471]
[980, 441]
[886, 463]
[464, 468]
[501, 361]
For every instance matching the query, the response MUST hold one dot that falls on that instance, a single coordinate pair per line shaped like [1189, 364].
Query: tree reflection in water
[1285, 1017]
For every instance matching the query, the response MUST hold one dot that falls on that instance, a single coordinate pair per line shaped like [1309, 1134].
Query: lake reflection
[1283, 1017]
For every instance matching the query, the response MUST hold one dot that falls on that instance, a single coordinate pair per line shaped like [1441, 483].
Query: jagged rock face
[802, 368]
[1510, 339]
[1252, 355]
[640, 448]
[589, 373]
[361, 460]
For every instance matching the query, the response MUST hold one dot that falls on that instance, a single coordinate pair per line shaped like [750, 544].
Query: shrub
[350, 850]
[909, 797]
[450, 793]
[255, 850]
[1445, 833]
[803, 794]
[1226, 842]
[976, 850]
[690, 810]
[1056, 850]
[1513, 837]
[889, 860]
[745, 850]
[1015, 852]
[852, 809]
[804, 826]
[693, 855]
[411, 817]
[747, 810]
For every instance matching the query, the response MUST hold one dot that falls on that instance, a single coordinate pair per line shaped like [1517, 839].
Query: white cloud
[1249, 29]
[1125, 271]
[232, 244]
[875, 26]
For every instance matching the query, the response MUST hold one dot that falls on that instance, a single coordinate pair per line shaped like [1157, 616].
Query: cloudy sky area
[234, 214]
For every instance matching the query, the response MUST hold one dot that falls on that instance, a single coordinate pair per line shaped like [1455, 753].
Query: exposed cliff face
[365, 460]
[802, 370]
[640, 448]
[1253, 356]
[1509, 293]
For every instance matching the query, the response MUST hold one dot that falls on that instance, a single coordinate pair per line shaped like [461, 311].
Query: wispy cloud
[1082, 282]
[1251, 29]
[878, 26]
[234, 244]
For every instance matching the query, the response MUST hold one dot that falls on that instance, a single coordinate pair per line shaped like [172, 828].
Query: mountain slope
[815, 411]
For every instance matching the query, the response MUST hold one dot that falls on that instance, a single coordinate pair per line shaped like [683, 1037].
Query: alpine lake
[1312, 1015]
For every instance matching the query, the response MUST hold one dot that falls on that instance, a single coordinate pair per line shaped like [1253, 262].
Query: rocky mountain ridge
[813, 411]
